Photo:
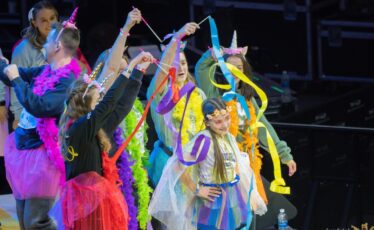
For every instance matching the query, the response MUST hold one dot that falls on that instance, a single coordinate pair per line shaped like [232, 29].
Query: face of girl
[238, 63]
[183, 69]
[220, 124]
[43, 21]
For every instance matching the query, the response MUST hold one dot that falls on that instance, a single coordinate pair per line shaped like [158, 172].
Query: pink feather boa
[46, 127]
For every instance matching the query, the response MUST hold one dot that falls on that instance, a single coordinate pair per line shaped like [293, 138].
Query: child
[212, 193]
[92, 178]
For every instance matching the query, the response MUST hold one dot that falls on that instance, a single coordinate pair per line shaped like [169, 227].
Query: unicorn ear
[162, 47]
[244, 50]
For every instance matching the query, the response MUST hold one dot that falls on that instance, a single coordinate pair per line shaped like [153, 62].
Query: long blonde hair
[75, 108]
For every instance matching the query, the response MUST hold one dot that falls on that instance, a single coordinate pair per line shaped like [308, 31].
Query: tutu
[30, 173]
[177, 207]
[228, 211]
[89, 201]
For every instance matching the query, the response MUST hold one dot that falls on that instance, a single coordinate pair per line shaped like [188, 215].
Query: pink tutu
[30, 173]
[90, 202]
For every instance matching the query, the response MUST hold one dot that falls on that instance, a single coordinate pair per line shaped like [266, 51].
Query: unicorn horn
[96, 71]
[234, 42]
[102, 83]
[73, 15]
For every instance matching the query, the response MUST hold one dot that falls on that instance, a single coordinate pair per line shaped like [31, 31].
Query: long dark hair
[31, 32]
[244, 89]
[208, 107]
[75, 108]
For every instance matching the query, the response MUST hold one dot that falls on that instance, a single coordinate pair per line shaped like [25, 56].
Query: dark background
[325, 46]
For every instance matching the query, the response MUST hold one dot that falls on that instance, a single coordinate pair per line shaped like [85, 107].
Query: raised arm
[99, 116]
[169, 53]
[126, 101]
[112, 64]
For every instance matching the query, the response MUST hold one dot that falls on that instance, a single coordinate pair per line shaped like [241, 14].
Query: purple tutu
[30, 173]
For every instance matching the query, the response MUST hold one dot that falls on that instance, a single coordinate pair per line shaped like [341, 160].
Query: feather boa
[193, 120]
[139, 154]
[46, 127]
[248, 142]
[127, 178]
[48, 78]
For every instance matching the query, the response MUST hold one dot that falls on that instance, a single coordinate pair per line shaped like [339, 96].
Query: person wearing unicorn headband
[34, 165]
[92, 177]
[167, 125]
[249, 139]
[130, 163]
[216, 189]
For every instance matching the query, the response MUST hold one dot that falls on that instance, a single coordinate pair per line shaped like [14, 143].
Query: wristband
[141, 69]
[122, 33]
[127, 72]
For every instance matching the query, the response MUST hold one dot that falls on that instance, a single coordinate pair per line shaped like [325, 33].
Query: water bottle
[285, 82]
[282, 220]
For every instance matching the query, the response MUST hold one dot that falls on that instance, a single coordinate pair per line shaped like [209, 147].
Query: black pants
[276, 202]
[33, 214]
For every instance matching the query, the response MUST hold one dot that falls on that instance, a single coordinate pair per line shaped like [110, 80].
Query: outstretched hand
[188, 29]
[134, 17]
[142, 60]
[143, 57]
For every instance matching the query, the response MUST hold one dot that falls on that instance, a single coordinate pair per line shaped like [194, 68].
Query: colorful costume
[251, 134]
[91, 198]
[34, 165]
[240, 125]
[177, 207]
[167, 128]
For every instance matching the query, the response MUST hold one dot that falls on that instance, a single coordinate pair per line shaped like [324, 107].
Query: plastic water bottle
[285, 82]
[282, 220]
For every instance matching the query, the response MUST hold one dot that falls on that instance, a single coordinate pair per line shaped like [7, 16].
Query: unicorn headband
[90, 80]
[182, 46]
[69, 23]
[234, 49]
[30, 16]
